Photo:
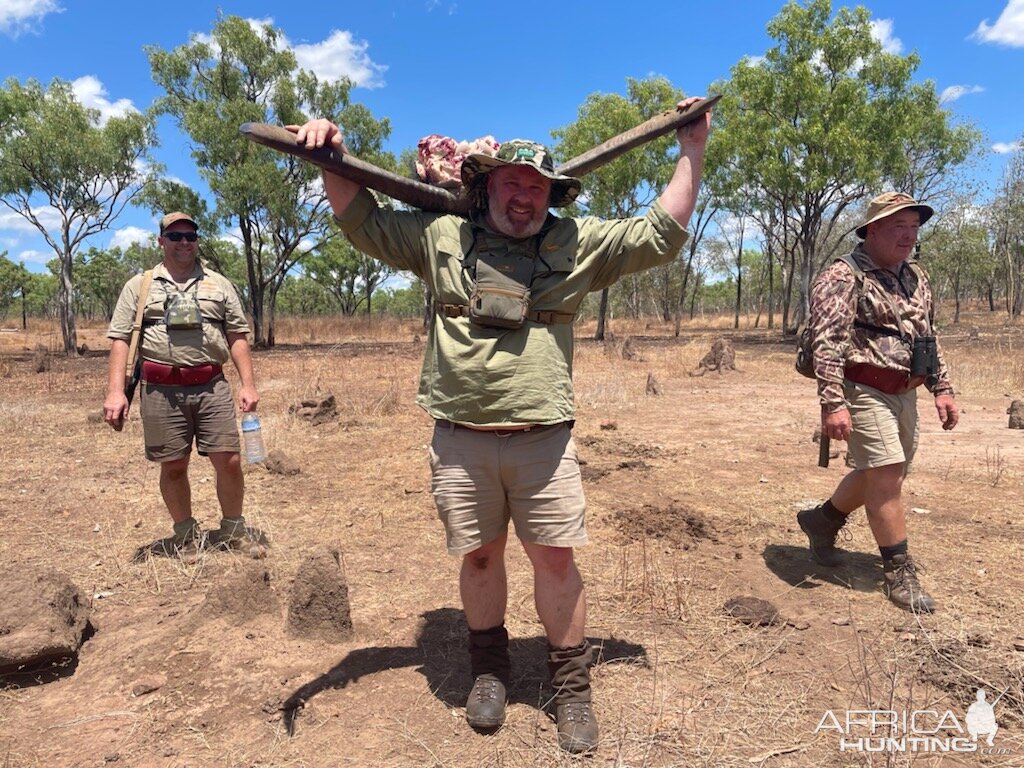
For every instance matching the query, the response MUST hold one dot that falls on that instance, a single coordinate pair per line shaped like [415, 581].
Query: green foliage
[56, 154]
[100, 277]
[275, 200]
[349, 276]
[405, 303]
[629, 184]
[299, 295]
[822, 122]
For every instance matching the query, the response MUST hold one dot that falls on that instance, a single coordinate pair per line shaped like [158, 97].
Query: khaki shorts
[172, 417]
[884, 426]
[481, 480]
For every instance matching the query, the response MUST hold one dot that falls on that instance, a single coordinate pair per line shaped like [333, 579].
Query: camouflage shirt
[837, 341]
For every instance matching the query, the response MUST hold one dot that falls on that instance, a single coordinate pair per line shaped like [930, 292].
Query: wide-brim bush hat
[564, 189]
[888, 203]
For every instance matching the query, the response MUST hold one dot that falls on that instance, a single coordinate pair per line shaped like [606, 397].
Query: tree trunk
[66, 305]
[602, 314]
[271, 313]
[682, 290]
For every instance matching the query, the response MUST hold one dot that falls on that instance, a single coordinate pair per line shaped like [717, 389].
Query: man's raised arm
[680, 196]
[319, 133]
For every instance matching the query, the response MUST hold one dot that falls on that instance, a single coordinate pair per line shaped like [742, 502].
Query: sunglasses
[177, 237]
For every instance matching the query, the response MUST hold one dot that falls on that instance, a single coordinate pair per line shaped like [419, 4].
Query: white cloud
[15, 222]
[18, 16]
[339, 55]
[1007, 147]
[33, 257]
[881, 30]
[954, 92]
[91, 93]
[126, 236]
[1008, 29]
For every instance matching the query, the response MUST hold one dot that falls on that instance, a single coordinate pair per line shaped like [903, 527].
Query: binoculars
[925, 358]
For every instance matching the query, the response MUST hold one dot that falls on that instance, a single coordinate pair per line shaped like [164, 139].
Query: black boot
[821, 534]
[490, 667]
[570, 679]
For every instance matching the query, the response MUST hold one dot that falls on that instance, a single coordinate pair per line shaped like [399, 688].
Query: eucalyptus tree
[102, 274]
[335, 266]
[629, 184]
[1007, 230]
[14, 282]
[68, 174]
[819, 123]
[957, 253]
[275, 202]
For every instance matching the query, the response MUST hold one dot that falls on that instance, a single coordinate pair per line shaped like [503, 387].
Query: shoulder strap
[858, 274]
[140, 307]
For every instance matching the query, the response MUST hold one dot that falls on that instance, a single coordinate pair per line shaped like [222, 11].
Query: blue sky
[464, 69]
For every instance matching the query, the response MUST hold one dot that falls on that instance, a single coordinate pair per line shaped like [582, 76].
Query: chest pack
[500, 285]
[181, 308]
[804, 363]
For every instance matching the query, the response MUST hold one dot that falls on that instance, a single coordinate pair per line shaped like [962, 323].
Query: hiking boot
[234, 535]
[902, 586]
[574, 715]
[188, 540]
[491, 668]
[821, 534]
[485, 709]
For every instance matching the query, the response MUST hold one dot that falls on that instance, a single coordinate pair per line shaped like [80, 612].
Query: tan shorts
[174, 417]
[481, 480]
[884, 426]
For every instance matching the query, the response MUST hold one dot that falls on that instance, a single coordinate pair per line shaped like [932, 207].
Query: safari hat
[888, 203]
[564, 189]
[171, 218]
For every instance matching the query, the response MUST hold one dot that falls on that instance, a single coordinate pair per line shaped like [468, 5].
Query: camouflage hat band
[564, 189]
[888, 203]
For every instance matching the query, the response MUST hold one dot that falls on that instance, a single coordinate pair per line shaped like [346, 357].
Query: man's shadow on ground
[441, 655]
[859, 571]
[167, 548]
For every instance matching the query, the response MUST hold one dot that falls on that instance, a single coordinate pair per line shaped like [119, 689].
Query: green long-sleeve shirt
[496, 376]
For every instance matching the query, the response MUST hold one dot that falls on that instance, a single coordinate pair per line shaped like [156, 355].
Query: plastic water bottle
[252, 437]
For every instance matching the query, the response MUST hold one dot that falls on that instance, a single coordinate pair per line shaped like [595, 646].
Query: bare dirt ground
[692, 500]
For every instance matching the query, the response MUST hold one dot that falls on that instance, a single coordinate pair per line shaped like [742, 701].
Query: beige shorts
[481, 480]
[174, 417]
[884, 426]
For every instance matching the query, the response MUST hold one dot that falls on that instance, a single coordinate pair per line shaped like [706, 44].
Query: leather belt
[887, 380]
[179, 376]
[451, 425]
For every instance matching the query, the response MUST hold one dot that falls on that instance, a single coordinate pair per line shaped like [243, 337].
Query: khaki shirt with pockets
[218, 302]
[497, 376]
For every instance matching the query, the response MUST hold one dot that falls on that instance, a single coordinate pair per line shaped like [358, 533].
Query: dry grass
[684, 684]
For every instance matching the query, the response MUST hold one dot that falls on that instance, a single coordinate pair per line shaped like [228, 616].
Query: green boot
[574, 714]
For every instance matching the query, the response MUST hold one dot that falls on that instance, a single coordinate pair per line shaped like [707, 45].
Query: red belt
[886, 380]
[178, 376]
